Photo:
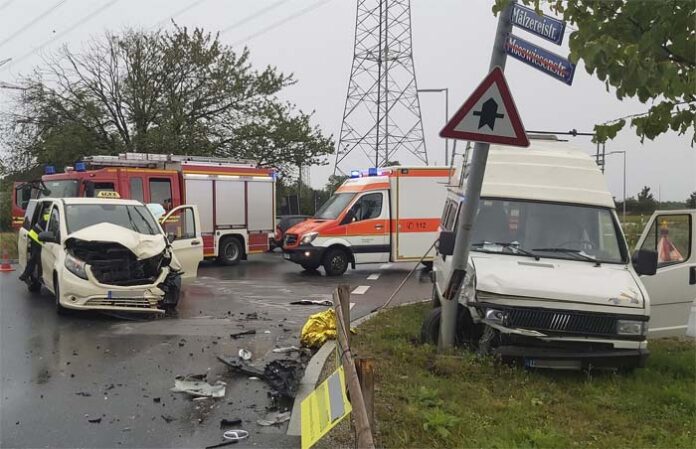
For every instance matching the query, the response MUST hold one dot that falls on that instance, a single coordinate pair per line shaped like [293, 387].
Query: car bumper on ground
[304, 255]
[572, 358]
[80, 294]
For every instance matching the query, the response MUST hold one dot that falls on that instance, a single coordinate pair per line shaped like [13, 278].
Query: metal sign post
[467, 213]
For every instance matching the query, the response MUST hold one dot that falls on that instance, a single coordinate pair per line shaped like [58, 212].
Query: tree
[691, 201]
[180, 92]
[645, 49]
[645, 201]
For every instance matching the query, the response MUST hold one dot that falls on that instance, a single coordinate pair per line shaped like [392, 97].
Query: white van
[550, 281]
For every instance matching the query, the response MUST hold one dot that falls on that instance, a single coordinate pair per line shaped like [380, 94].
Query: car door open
[183, 229]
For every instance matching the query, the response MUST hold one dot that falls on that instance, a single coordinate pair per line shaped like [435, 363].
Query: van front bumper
[553, 357]
[304, 255]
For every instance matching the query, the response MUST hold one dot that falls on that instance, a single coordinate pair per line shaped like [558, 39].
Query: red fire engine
[236, 200]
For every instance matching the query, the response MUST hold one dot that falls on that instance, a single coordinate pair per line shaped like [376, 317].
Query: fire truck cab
[377, 216]
[236, 200]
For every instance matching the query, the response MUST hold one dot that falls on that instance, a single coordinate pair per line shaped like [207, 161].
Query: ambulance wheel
[230, 251]
[56, 288]
[335, 262]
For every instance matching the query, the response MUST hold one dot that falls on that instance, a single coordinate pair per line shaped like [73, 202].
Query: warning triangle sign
[489, 115]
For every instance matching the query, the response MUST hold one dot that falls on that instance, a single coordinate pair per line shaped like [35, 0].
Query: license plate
[553, 364]
[113, 294]
[286, 256]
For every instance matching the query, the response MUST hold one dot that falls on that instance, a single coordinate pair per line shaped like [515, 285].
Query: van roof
[546, 171]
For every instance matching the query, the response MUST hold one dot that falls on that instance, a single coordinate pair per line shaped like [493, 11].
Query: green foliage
[691, 201]
[180, 92]
[644, 49]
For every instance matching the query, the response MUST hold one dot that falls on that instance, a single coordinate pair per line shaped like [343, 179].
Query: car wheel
[335, 262]
[230, 251]
[430, 329]
[56, 288]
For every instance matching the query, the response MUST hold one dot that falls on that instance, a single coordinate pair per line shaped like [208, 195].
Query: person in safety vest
[34, 248]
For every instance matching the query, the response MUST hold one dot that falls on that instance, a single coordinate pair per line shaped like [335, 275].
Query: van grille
[140, 303]
[290, 239]
[561, 321]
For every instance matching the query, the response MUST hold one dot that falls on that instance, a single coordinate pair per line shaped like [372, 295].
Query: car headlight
[309, 238]
[630, 327]
[468, 292]
[495, 316]
[76, 266]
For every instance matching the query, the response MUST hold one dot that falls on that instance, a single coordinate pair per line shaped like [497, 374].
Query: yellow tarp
[319, 328]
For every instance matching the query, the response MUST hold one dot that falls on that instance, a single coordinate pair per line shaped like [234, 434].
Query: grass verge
[8, 241]
[460, 400]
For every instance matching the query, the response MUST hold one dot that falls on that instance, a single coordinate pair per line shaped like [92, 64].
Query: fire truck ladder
[151, 160]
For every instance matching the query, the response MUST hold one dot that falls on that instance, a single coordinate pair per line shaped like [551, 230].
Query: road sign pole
[467, 213]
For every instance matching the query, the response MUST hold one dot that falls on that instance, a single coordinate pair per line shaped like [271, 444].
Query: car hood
[142, 245]
[310, 225]
[560, 280]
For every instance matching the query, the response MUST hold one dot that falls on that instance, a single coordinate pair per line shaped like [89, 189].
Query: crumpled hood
[310, 225]
[607, 285]
[142, 245]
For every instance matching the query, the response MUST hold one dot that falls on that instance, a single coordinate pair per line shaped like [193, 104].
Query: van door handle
[692, 275]
[195, 242]
[379, 226]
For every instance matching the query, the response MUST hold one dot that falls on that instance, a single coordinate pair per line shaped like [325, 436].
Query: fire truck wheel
[230, 251]
[335, 262]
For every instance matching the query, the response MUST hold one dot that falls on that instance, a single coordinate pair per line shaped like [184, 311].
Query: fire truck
[235, 199]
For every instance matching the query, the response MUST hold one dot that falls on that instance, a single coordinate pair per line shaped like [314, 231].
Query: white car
[111, 254]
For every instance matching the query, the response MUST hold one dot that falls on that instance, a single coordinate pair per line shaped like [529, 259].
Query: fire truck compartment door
[260, 206]
[200, 193]
[183, 227]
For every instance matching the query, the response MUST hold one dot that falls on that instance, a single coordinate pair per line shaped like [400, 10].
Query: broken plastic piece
[239, 334]
[287, 349]
[244, 354]
[282, 376]
[95, 420]
[319, 328]
[230, 422]
[235, 435]
[312, 302]
[199, 388]
[274, 418]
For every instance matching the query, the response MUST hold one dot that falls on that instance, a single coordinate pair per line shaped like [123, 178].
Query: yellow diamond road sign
[324, 408]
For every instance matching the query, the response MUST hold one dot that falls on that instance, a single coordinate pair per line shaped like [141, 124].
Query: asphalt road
[59, 372]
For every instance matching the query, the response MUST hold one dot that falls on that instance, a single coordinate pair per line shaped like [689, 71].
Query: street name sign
[545, 27]
[549, 63]
[489, 115]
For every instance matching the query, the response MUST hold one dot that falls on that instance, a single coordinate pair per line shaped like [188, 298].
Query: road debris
[95, 420]
[224, 443]
[230, 422]
[244, 354]
[283, 376]
[312, 302]
[274, 418]
[168, 419]
[239, 334]
[286, 349]
[83, 393]
[196, 386]
[319, 328]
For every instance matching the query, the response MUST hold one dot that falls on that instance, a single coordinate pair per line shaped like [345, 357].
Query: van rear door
[183, 227]
[672, 290]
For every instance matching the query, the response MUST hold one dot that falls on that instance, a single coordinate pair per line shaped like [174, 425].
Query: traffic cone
[5, 266]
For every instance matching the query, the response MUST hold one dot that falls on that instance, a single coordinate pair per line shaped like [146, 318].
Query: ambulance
[381, 215]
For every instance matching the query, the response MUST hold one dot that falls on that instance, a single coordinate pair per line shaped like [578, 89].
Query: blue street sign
[549, 63]
[545, 27]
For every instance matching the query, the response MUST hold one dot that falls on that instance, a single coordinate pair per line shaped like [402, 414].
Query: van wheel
[335, 262]
[230, 251]
[430, 330]
[56, 288]
[435, 298]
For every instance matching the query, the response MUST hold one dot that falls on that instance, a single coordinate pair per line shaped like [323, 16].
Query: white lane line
[385, 266]
[361, 290]
[373, 277]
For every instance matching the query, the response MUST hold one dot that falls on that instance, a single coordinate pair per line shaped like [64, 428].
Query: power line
[253, 16]
[181, 11]
[72, 27]
[299, 13]
[32, 22]
[6, 4]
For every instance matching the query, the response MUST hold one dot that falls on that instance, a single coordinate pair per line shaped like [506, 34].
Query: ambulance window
[136, 189]
[161, 192]
[368, 207]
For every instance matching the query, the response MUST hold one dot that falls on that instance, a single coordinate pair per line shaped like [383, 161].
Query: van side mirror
[350, 215]
[445, 244]
[47, 237]
[645, 262]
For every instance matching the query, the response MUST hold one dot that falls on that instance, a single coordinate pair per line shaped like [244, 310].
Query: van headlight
[308, 238]
[468, 292]
[495, 316]
[630, 327]
[76, 266]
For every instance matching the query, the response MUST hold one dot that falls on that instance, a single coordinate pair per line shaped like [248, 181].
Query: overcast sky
[314, 40]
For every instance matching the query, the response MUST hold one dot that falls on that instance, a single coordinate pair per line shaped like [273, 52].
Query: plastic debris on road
[195, 386]
[244, 354]
[274, 418]
[319, 328]
[312, 302]
[283, 376]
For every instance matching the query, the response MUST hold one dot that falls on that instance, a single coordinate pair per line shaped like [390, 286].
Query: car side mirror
[171, 237]
[350, 215]
[445, 244]
[47, 237]
[645, 262]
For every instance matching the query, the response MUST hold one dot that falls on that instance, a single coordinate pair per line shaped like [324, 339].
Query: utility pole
[467, 213]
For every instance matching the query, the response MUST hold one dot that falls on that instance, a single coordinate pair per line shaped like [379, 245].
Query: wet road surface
[60, 372]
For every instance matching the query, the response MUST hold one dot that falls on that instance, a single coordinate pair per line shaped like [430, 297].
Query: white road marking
[373, 277]
[361, 290]
[385, 266]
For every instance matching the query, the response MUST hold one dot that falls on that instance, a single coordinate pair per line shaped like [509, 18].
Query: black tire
[435, 298]
[336, 262]
[56, 288]
[309, 267]
[230, 251]
[430, 329]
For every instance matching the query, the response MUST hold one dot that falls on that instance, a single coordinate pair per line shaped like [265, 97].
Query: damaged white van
[550, 282]
[111, 254]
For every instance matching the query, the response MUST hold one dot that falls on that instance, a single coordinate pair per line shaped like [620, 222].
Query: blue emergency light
[372, 171]
[355, 173]
[49, 170]
[80, 166]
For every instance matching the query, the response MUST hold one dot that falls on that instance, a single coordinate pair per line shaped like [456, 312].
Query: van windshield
[135, 218]
[549, 230]
[333, 207]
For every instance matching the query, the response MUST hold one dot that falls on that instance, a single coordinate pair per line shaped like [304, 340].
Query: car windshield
[60, 189]
[333, 207]
[549, 230]
[135, 218]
